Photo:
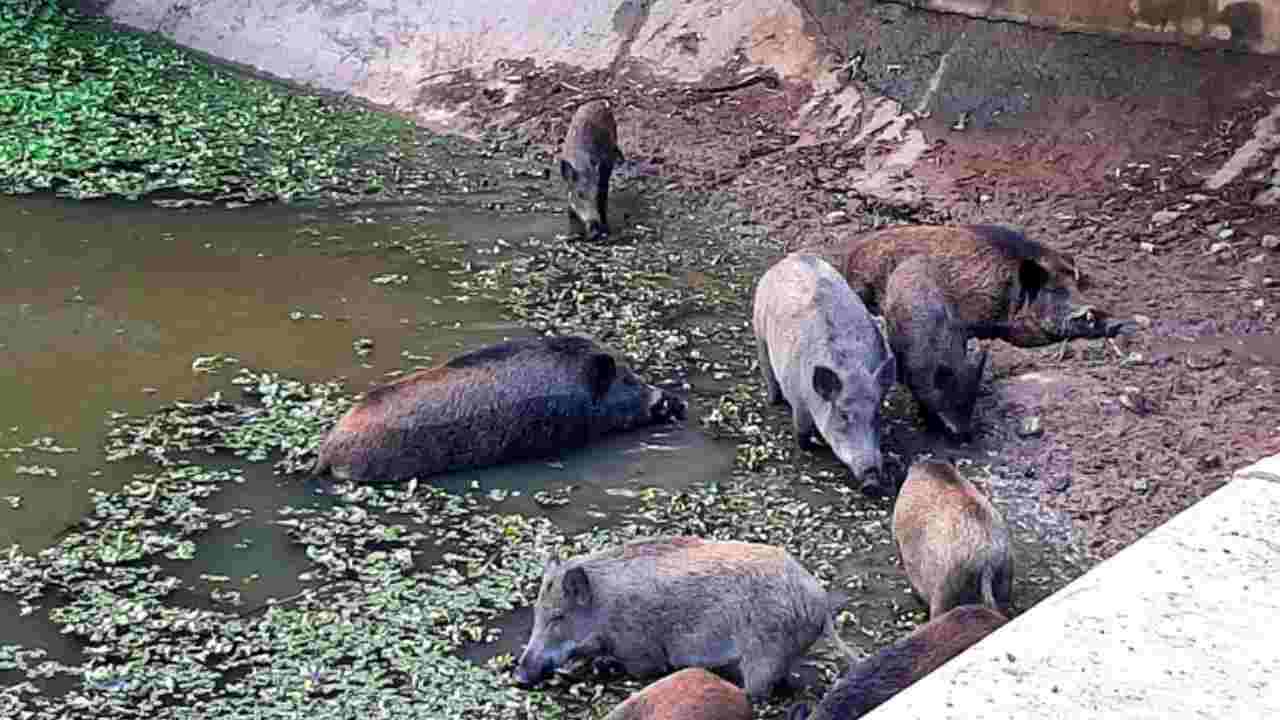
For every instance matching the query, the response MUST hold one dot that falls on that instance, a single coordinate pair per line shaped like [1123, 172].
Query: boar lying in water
[822, 352]
[590, 153]
[511, 401]
[690, 694]
[955, 547]
[873, 681]
[930, 343]
[659, 604]
[1003, 284]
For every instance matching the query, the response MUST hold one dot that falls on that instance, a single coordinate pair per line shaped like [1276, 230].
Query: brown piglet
[690, 694]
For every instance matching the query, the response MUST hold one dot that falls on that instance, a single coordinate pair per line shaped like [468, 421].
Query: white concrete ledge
[1184, 623]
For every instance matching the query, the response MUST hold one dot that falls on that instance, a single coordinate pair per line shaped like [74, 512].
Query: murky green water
[104, 308]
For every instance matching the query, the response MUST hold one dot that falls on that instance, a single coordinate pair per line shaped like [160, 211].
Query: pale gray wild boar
[870, 683]
[1003, 284]
[955, 547]
[589, 156]
[659, 604]
[930, 342]
[690, 694]
[822, 352]
[510, 401]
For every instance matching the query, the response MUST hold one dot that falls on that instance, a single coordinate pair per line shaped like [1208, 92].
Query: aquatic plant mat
[402, 584]
[91, 111]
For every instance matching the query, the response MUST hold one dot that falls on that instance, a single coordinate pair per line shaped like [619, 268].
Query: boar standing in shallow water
[931, 345]
[511, 401]
[955, 547]
[873, 681]
[690, 694]
[822, 352]
[659, 604]
[1003, 284]
[589, 155]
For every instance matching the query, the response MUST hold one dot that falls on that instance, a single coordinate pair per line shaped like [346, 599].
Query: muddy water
[104, 308]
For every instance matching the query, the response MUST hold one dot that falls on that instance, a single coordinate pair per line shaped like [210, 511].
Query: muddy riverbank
[192, 356]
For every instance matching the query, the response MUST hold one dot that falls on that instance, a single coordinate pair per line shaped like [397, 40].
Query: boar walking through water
[658, 604]
[510, 401]
[690, 694]
[955, 547]
[588, 158]
[931, 345]
[870, 683]
[822, 352]
[1003, 284]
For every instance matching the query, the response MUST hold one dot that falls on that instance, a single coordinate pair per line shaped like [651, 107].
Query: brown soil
[1132, 432]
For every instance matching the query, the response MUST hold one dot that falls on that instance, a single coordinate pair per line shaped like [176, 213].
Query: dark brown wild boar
[589, 155]
[659, 604]
[930, 343]
[870, 683]
[510, 401]
[1003, 284]
[955, 547]
[690, 694]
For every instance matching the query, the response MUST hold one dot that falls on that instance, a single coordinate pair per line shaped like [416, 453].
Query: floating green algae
[91, 111]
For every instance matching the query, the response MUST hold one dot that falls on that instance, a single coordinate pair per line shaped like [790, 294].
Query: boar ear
[826, 383]
[577, 588]
[601, 373]
[567, 172]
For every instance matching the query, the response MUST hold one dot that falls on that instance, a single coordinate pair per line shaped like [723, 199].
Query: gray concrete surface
[1181, 624]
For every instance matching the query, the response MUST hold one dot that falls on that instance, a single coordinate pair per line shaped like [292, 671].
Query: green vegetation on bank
[90, 111]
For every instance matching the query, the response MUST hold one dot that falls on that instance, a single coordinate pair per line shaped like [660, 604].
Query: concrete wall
[874, 73]
[1250, 25]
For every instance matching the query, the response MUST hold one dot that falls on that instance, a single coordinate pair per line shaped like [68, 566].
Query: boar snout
[1121, 327]
[874, 482]
[597, 230]
[664, 406]
[531, 670]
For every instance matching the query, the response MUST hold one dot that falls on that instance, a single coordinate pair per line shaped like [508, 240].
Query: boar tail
[988, 581]
[829, 627]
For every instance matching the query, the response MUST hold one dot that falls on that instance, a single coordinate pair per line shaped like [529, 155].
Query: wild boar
[589, 156]
[821, 351]
[1003, 284]
[658, 604]
[510, 401]
[930, 343]
[955, 547]
[870, 683]
[690, 694]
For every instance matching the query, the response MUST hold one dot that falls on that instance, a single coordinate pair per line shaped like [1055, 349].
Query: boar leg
[576, 226]
[773, 391]
[804, 427]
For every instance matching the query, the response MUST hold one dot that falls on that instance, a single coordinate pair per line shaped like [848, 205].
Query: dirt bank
[1133, 431]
